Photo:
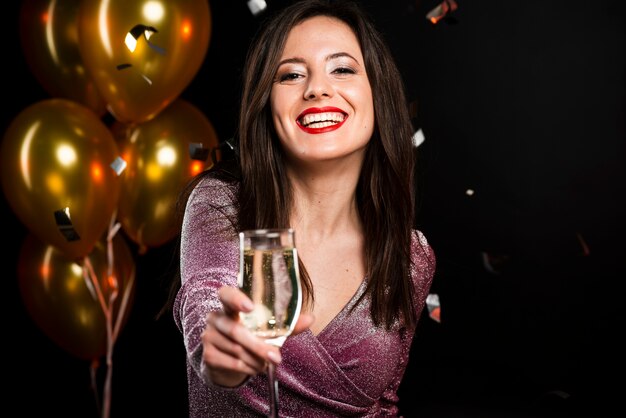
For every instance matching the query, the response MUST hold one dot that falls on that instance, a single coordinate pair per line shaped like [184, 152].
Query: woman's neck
[324, 200]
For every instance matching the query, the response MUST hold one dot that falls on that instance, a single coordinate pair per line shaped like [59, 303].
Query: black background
[522, 102]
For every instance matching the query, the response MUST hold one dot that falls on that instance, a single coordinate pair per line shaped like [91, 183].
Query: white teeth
[322, 120]
[321, 124]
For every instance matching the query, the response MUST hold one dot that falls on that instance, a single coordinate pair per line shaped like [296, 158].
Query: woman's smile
[315, 120]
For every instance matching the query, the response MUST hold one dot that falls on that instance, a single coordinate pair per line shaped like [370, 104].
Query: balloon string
[107, 310]
[113, 228]
[106, 404]
[90, 275]
[111, 333]
[123, 305]
[95, 364]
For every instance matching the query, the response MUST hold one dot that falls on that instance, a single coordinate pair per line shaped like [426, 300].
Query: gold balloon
[159, 165]
[143, 53]
[55, 165]
[61, 303]
[49, 40]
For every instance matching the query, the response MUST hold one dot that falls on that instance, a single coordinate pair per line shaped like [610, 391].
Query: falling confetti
[494, 264]
[434, 307]
[228, 145]
[257, 6]
[442, 11]
[64, 223]
[583, 244]
[133, 35]
[418, 138]
[197, 151]
[124, 66]
[118, 165]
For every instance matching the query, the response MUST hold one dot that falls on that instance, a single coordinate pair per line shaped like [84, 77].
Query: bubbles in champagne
[271, 279]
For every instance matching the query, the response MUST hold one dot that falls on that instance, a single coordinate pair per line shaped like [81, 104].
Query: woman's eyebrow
[294, 60]
[299, 60]
[340, 55]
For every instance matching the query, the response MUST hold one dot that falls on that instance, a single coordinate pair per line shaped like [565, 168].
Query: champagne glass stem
[273, 383]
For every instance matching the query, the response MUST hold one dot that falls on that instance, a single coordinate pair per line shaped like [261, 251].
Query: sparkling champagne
[269, 274]
[270, 277]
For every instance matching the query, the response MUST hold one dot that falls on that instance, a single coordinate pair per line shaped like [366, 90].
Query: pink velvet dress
[351, 368]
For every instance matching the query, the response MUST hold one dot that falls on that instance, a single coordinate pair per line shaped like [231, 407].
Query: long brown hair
[385, 189]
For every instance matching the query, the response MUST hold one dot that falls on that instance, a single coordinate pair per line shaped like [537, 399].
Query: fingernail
[274, 356]
[247, 305]
[219, 324]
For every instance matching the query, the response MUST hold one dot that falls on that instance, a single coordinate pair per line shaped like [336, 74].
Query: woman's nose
[318, 86]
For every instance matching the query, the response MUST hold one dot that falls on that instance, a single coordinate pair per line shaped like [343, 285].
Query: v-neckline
[343, 312]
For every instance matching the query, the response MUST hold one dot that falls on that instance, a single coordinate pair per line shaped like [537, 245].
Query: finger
[227, 346]
[213, 337]
[305, 320]
[234, 300]
[219, 361]
[242, 336]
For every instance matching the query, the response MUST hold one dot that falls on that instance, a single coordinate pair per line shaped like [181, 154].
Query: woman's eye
[289, 77]
[344, 70]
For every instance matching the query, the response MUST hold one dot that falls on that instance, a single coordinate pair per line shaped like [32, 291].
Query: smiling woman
[319, 89]
[324, 148]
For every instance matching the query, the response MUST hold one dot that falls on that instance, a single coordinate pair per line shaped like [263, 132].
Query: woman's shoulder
[213, 187]
[210, 181]
[420, 246]
[211, 201]
[423, 260]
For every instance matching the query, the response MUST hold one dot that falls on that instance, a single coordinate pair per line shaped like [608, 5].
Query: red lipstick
[321, 110]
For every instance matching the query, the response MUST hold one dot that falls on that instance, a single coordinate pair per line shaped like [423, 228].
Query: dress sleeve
[208, 260]
[423, 263]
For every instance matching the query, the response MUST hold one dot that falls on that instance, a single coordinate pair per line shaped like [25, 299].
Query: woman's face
[321, 98]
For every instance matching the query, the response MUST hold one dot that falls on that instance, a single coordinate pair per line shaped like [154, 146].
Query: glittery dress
[351, 368]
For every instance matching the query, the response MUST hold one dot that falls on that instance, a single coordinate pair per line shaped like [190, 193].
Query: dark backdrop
[522, 102]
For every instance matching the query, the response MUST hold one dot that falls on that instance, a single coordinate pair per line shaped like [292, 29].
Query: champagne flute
[270, 276]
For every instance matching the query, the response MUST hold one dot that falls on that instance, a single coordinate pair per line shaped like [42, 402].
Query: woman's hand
[230, 351]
